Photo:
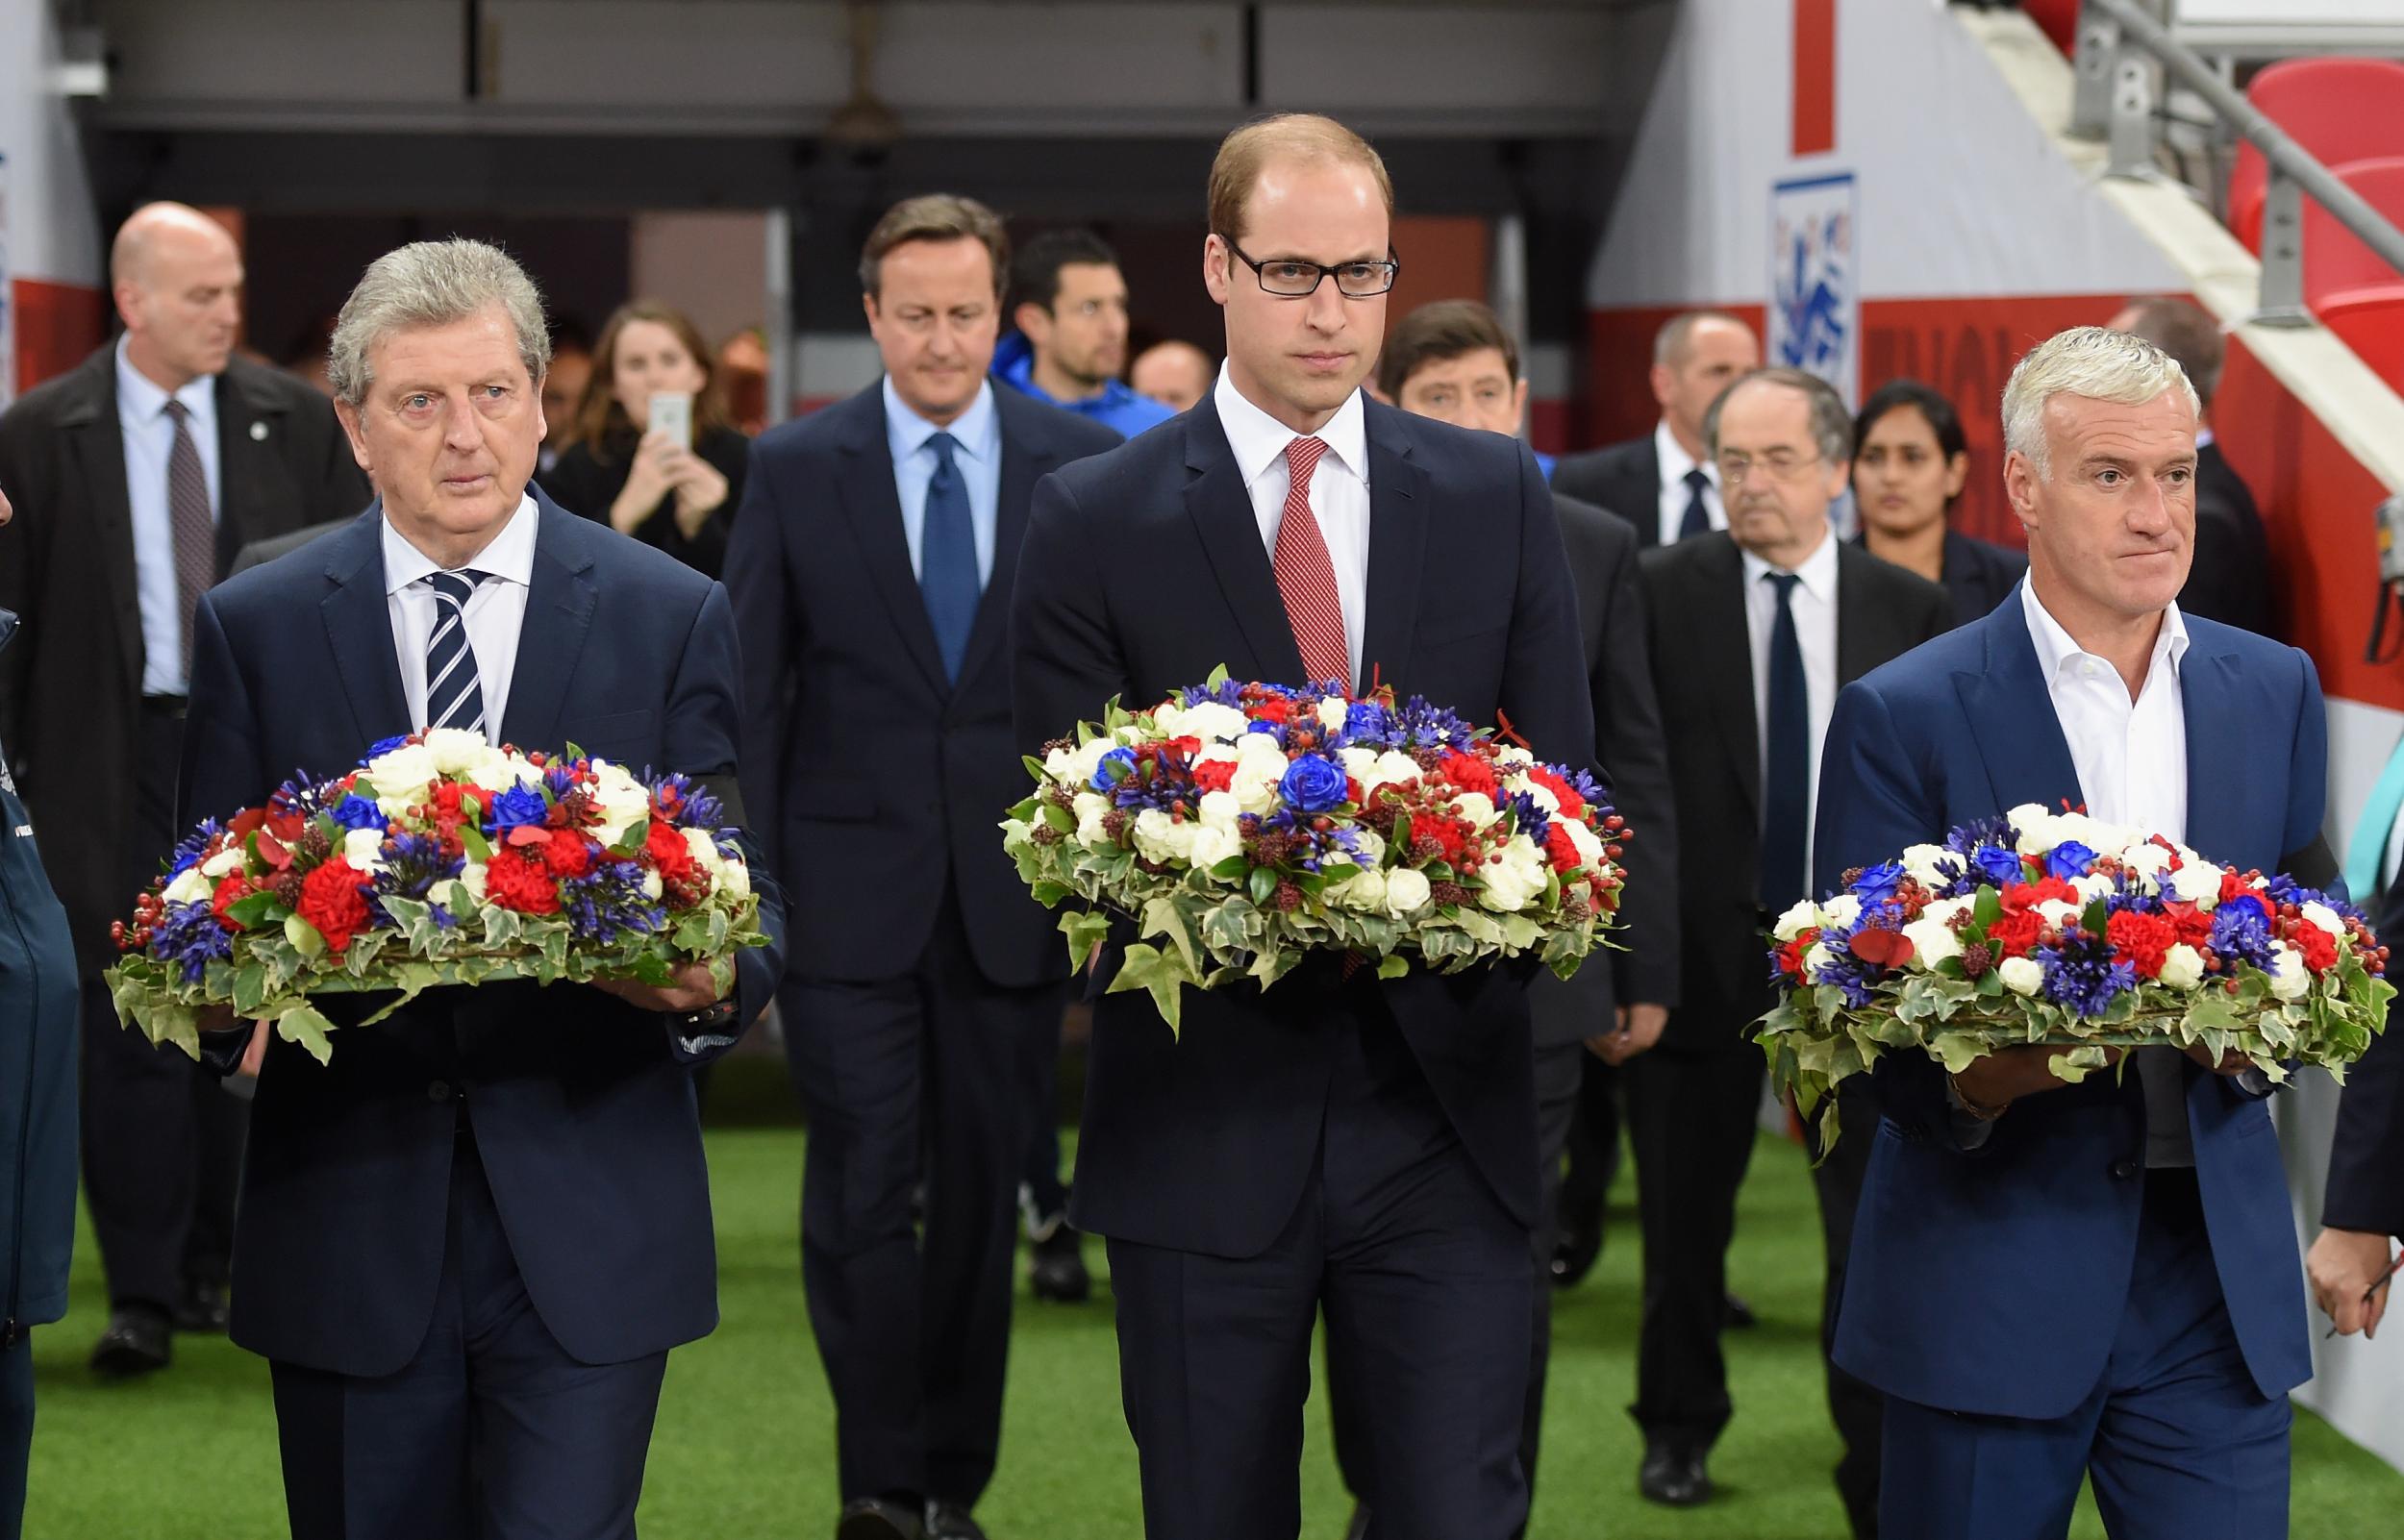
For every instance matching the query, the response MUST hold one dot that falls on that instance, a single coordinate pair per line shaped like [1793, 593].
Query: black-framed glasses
[1290, 278]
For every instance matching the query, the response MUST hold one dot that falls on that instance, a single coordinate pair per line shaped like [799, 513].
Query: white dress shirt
[1339, 492]
[494, 613]
[149, 435]
[1814, 607]
[1675, 463]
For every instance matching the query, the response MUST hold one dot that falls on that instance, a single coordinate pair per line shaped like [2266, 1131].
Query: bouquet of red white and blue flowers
[2056, 929]
[1244, 826]
[439, 860]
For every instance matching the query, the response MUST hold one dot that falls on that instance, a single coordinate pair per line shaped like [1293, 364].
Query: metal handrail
[2116, 101]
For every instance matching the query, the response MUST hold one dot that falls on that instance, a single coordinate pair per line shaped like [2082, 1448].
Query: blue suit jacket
[838, 653]
[1993, 1280]
[582, 1108]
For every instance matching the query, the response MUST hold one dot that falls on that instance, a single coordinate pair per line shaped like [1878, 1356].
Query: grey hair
[1832, 424]
[433, 283]
[1669, 343]
[2090, 361]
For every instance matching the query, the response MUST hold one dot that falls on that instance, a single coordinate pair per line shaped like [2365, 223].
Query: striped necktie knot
[454, 694]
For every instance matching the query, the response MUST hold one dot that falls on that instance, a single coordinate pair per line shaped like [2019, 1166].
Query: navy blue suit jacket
[1144, 570]
[839, 653]
[583, 1107]
[1993, 1280]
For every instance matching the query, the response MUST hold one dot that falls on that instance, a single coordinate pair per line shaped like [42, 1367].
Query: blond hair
[2090, 361]
[1303, 136]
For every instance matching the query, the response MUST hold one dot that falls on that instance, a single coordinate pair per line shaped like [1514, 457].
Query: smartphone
[671, 413]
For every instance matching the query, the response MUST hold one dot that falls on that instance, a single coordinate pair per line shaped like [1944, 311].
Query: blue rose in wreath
[1314, 784]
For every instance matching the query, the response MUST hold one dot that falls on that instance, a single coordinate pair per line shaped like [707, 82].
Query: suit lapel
[1868, 630]
[250, 423]
[2011, 711]
[359, 629]
[99, 454]
[1397, 551]
[2215, 710]
[1023, 464]
[873, 506]
[1724, 654]
[560, 600]
[1223, 515]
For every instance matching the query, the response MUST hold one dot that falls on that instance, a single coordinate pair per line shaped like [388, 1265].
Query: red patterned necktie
[1306, 576]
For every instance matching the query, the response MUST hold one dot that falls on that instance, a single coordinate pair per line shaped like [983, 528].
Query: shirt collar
[508, 556]
[978, 431]
[2057, 649]
[140, 401]
[1260, 439]
[1675, 461]
[1818, 570]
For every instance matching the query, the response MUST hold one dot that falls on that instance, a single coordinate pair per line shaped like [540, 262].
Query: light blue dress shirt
[149, 435]
[979, 431]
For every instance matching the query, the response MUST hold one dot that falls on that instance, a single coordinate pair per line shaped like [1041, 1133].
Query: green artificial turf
[744, 1445]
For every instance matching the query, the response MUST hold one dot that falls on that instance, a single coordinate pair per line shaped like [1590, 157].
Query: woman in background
[645, 483]
[1909, 461]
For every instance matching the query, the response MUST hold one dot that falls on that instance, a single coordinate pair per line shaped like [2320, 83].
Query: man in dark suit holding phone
[1337, 1141]
[872, 571]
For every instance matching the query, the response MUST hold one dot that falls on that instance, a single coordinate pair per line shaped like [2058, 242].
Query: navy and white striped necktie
[454, 694]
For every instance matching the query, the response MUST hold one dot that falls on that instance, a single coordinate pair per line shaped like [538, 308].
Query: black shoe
[947, 1521]
[1674, 1477]
[1740, 1316]
[1056, 1271]
[1575, 1253]
[1359, 1527]
[136, 1344]
[877, 1519]
[203, 1309]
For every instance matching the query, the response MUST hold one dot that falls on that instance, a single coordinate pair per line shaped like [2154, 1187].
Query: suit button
[2123, 1170]
[438, 1091]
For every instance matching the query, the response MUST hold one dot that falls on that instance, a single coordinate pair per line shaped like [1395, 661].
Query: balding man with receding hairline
[136, 476]
[1664, 483]
[1175, 374]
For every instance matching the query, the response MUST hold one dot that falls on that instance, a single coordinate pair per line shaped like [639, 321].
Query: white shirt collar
[1260, 439]
[2057, 650]
[508, 556]
[977, 430]
[140, 400]
[1818, 570]
[1675, 461]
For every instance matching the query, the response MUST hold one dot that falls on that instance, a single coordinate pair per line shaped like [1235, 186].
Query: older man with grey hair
[2056, 1283]
[467, 1243]
[1753, 629]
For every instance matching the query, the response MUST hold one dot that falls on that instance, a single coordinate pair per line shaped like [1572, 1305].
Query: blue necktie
[454, 694]
[947, 557]
[1698, 519]
[1787, 772]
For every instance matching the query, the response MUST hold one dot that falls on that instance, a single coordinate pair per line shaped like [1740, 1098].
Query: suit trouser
[1692, 1119]
[16, 1433]
[491, 1433]
[1854, 1405]
[1424, 1278]
[1046, 1194]
[162, 1138]
[1561, 1069]
[2177, 1440]
[1592, 1146]
[921, 1073]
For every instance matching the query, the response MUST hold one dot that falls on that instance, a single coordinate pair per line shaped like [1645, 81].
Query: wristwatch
[709, 1021]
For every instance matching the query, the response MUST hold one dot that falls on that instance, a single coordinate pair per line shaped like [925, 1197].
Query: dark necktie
[1787, 771]
[194, 526]
[947, 557]
[454, 694]
[1698, 519]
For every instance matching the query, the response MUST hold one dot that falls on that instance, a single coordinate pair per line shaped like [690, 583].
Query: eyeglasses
[1782, 465]
[1290, 277]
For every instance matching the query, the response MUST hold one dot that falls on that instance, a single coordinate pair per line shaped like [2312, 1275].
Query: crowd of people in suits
[1014, 524]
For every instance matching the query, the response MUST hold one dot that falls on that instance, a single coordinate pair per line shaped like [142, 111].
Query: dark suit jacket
[2230, 580]
[581, 1106]
[1624, 478]
[875, 780]
[1959, 1256]
[2366, 1161]
[1703, 667]
[1144, 570]
[70, 688]
[259, 553]
[1635, 762]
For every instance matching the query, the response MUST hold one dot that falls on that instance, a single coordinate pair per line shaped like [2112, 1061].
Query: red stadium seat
[2371, 322]
[2056, 19]
[2337, 109]
[2335, 264]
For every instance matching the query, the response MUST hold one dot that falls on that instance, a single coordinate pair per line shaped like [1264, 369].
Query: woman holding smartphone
[655, 455]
